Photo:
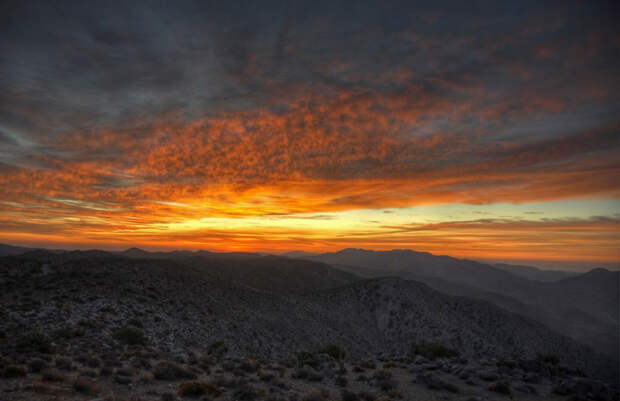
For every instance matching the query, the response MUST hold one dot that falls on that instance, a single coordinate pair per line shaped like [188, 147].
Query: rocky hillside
[179, 304]
[584, 307]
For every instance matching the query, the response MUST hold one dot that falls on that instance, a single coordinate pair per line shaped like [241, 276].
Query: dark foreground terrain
[132, 326]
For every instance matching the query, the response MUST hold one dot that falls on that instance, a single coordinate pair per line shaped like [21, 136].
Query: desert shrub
[167, 397]
[105, 371]
[501, 362]
[36, 365]
[432, 350]
[197, 388]
[88, 373]
[84, 386]
[502, 387]
[53, 375]
[13, 371]
[450, 387]
[317, 395]
[92, 362]
[69, 332]
[89, 324]
[315, 376]
[549, 358]
[341, 381]
[347, 395]
[130, 335]
[146, 377]
[41, 388]
[247, 392]
[389, 365]
[307, 358]
[335, 352]
[266, 376]
[382, 375]
[301, 373]
[171, 371]
[135, 322]
[368, 364]
[249, 365]
[366, 396]
[125, 372]
[35, 342]
[217, 348]
[141, 363]
[63, 363]
[385, 380]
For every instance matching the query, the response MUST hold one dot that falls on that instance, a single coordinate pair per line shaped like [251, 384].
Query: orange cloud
[353, 151]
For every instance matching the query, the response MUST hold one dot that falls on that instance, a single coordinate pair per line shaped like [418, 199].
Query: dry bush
[84, 386]
[10, 371]
[170, 371]
[197, 388]
[53, 375]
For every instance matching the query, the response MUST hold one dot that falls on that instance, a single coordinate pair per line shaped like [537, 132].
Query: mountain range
[373, 304]
[584, 307]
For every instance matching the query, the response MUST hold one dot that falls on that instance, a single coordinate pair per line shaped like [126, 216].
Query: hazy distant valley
[352, 325]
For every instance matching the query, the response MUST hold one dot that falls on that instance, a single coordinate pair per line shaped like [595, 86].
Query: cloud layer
[116, 120]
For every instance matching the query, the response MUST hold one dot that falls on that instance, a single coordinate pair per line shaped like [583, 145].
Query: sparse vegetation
[36, 365]
[433, 350]
[35, 342]
[117, 361]
[347, 395]
[247, 392]
[53, 375]
[130, 336]
[341, 381]
[84, 386]
[502, 387]
[10, 371]
[197, 388]
[217, 349]
[548, 358]
[385, 380]
[63, 363]
[335, 352]
[170, 371]
[317, 395]
[307, 358]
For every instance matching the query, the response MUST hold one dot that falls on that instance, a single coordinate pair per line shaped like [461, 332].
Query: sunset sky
[484, 130]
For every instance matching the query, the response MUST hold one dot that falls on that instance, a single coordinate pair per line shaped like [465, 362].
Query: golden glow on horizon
[552, 238]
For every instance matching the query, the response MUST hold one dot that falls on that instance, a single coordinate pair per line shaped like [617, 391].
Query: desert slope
[181, 305]
[584, 307]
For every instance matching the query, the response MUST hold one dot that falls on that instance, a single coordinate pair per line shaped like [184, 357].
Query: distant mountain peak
[134, 249]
